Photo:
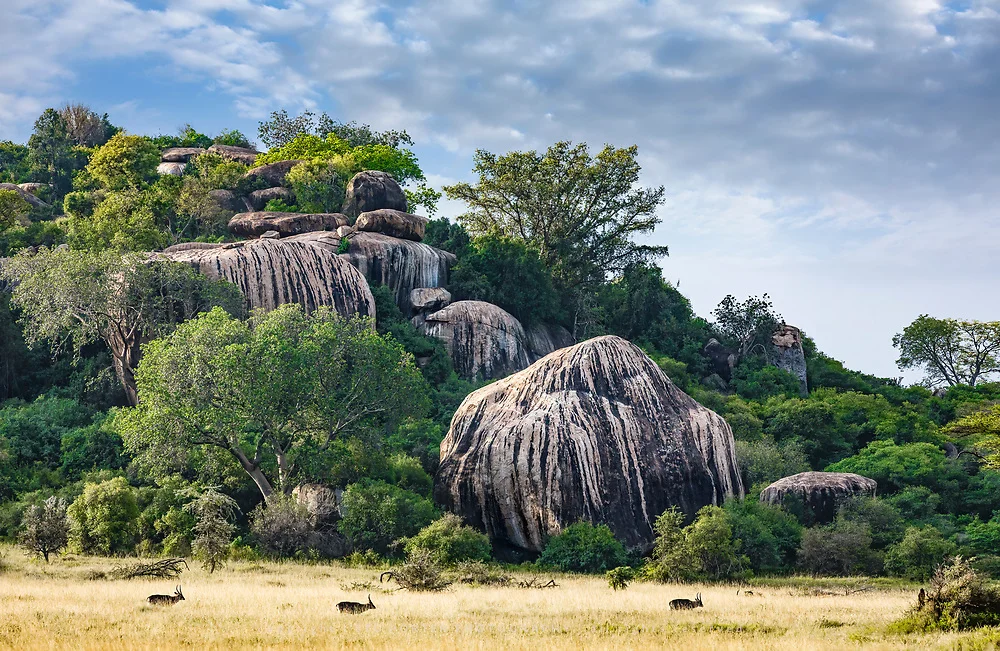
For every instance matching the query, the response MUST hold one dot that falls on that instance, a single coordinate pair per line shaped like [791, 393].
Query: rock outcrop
[180, 154]
[592, 432]
[721, 358]
[401, 265]
[254, 224]
[271, 175]
[238, 154]
[32, 200]
[34, 188]
[273, 272]
[547, 338]
[227, 200]
[372, 190]
[483, 340]
[394, 223]
[171, 169]
[259, 198]
[786, 353]
[430, 299]
[819, 493]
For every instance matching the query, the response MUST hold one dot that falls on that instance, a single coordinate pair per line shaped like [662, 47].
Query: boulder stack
[394, 223]
[593, 432]
[254, 224]
[32, 200]
[180, 154]
[272, 175]
[819, 493]
[372, 190]
[238, 154]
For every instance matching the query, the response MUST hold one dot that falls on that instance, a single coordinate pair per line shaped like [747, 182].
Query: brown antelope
[355, 608]
[166, 599]
[687, 604]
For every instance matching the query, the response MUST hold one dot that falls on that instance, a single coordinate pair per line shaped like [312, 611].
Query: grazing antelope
[687, 604]
[166, 599]
[354, 608]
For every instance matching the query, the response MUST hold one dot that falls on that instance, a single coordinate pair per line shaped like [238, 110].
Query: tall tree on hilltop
[950, 351]
[50, 152]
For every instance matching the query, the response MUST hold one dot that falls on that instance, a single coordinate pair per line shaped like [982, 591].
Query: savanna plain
[284, 605]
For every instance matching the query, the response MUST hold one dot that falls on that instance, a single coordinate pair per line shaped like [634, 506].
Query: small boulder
[227, 200]
[259, 198]
[171, 169]
[180, 154]
[270, 235]
[394, 223]
[372, 190]
[344, 231]
[32, 200]
[238, 154]
[546, 338]
[323, 502]
[254, 224]
[34, 188]
[271, 175]
[820, 493]
[426, 299]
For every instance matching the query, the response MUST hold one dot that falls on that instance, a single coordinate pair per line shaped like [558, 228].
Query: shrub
[449, 541]
[584, 547]
[407, 472]
[958, 599]
[480, 573]
[618, 578]
[125, 162]
[419, 573]
[213, 529]
[710, 539]
[318, 186]
[918, 554]
[105, 518]
[770, 536]
[45, 528]
[842, 549]
[376, 514]
[281, 526]
[671, 559]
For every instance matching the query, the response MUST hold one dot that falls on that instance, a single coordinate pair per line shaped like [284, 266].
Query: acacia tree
[746, 325]
[275, 394]
[72, 298]
[579, 212]
[950, 351]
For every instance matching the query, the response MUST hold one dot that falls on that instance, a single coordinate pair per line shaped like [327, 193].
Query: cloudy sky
[841, 156]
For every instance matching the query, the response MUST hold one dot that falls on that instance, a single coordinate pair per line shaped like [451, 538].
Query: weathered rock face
[821, 493]
[33, 188]
[171, 169]
[545, 338]
[323, 502]
[483, 340]
[271, 175]
[426, 299]
[238, 154]
[722, 359]
[401, 265]
[273, 272]
[32, 200]
[253, 224]
[180, 154]
[393, 223]
[592, 432]
[259, 198]
[787, 354]
[372, 190]
[227, 200]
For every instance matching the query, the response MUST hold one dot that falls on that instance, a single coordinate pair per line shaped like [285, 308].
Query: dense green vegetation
[197, 449]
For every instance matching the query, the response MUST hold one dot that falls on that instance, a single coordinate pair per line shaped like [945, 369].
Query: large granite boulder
[786, 353]
[372, 190]
[721, 359]
[593, 432]
[255, 224]
[171, 169]
[401, 265]
[271, 175]
[546, 338]
[238, 154]
[484, 341]
[259, 198]
[819, 494]
[32, 200]
[273, 272]
[227, 200]
[180, 154]
[394, 223]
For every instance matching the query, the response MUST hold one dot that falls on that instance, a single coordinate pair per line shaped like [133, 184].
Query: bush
[318, 186]
[884, 521]
[710, 538]
[583, 547]
[377, 514]
[105, 518]
[618, 578]
[449, 541]
[281, 527]
[419, 573]
[671, 559]
[839, 549]
[770, 536]
[918, 555]
[213, 529]
[958, 599]
[45, 528]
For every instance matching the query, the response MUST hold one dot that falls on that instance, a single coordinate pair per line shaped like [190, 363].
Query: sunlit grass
[265, 605]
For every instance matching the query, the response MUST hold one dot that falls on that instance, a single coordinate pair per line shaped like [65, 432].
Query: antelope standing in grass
[355, 608]
[687, 604]
[166, 599]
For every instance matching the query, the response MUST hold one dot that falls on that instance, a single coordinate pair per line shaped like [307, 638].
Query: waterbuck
[687, 604]
[166, 599]
[355, 608]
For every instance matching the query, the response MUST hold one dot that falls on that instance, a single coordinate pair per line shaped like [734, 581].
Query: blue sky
[841, 156]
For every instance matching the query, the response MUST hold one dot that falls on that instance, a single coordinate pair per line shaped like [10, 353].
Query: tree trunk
[126, 358]
[255, 473]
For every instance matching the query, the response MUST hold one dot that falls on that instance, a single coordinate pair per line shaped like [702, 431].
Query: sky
[840, 156]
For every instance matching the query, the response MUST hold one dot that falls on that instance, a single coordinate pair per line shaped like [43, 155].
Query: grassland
[263, 605]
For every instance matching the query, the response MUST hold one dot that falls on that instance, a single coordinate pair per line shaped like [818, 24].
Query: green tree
[50, 152]
[123, 221]
[45, 529]
[710, 538]
[72, 298]
[125, 162]
[319, 185]
[14, 167]
[377, 514]
[584, 547]
[13, 209]
[746, 326]
[919, 553]
[214, 528]
[286, 386]
[579, 212]
[450, 541]
[769, 535]
[105, 518]
[842, 548]
[950, 351]
[897, 466]
[671, 558]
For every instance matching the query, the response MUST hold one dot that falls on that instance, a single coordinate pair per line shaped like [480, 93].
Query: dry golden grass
[262, 605]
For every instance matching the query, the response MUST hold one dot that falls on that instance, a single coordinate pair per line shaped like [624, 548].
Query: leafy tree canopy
[950, 351]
